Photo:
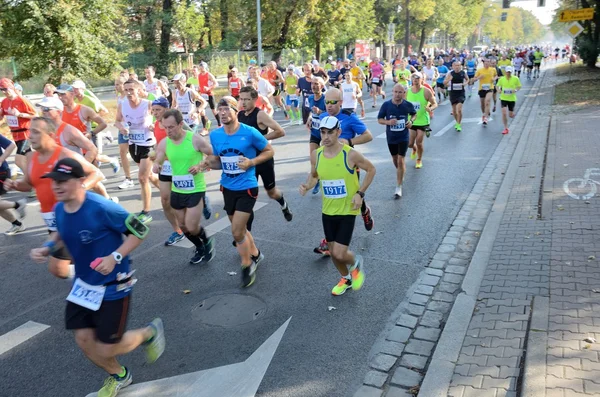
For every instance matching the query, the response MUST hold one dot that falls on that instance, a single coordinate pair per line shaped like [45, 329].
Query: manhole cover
[229, 310]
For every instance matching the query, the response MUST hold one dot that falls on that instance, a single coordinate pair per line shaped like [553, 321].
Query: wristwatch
[118, 257]
[361, 194]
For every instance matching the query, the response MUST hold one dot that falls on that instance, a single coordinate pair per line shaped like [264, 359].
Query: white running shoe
[127, 184]
[398, 192]
[14, 229]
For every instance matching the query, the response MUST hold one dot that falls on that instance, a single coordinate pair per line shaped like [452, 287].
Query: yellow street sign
[574, 29]
[581, 14]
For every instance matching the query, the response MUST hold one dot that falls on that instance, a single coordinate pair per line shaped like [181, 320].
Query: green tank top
[182, 157]
[291, 83]
[403, 76]
[420, 103]
[339, 182]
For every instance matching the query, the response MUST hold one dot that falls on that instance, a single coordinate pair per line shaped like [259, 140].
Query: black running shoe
[209, 249]
[248, 275]
[287, 213]
[368, 219]
[198, 256]
[258, 258]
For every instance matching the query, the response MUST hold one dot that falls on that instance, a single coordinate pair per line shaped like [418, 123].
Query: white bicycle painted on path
[583, 188]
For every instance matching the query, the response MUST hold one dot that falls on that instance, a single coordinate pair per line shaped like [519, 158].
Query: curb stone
[419, 319]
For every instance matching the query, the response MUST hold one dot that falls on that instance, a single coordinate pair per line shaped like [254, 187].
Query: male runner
[358, 77]
[471, 64]
[397, 115]
[316, 102]
[7, 147]
[518, 64]
[351, 93]
[206, 83]
[336, 165]
[185, 150]
[237, 150]
[275, 78]
[440, 89]
[134, 119]
[424, 103]
[499, 74]
[430, 73]
[234, 83]
[123, 140]
[186, 101]
[508, 86]
[305, 90]
[154, 86]
[291, 99]
[486, 77]
[18, 114]
[456, 81]
[270, 129]
[538, 57]
[92, 230]
[83, 96]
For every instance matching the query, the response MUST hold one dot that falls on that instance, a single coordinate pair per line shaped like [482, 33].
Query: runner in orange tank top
[206, 83]
[47, 153]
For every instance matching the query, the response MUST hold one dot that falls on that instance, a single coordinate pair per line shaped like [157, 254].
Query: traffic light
[503, 16]
[506, 3]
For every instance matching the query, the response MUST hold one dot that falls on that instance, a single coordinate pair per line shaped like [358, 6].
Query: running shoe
[485, 120]
[14, 229]
[413, 154]
[316, 188]
[126, 184]
[22, 208]
[208, 124]
[368, 219]
[113, 384]
[114, 199]
[505, 131]
[115, 165]
[155, 346]
[198, 256]
[287, 213]
[144, 217]
[357, 272]
[427, 132]
[207, 210]
[419, 164]
[398, 192]
[322, 249]
[174, 238]
[209, 248]
[248, 275]
[458, 127]
[341, 287]
[258, 258]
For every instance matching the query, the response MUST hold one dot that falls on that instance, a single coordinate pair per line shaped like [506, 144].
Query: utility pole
[258, 28]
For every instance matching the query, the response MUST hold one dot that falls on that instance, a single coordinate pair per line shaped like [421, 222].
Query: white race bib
[12, 121]
[486, 87]
[86, 295]
[470, 70]
[315, 122]
[508, 91]
[399, 126]
[293, 97]
[306, 103]
[233, 84]
[166, 169]
[334, 189]
[457, 87]
[184, 182]
[230, 165]
[50, 220]
[137, 136]
[375, 80]
[417, 105]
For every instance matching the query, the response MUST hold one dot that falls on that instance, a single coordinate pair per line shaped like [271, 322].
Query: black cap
[66, 169]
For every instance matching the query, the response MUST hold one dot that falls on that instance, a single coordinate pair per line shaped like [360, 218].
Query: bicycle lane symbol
[583, 188]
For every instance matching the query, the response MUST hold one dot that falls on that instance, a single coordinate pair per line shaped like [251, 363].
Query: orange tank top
[59, 131]
[74, 119]
[272, 77]
[43, 186]
[261, 104]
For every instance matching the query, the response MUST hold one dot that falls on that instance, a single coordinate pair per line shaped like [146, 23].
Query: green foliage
[588, 51]
[189, 25]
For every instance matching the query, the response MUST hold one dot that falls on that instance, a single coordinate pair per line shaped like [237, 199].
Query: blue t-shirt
[314, 128]
[350, 123]
[443, 70]
[389, 110]
[334, 75]
[4, 144]
[471, 66]
[94, 231]
[305, 89]
[449, 64]
[246, 142]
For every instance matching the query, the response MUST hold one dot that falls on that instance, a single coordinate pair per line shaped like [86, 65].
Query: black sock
[17, 223]
[194, 239]
[204, 121]
[202, 235]
[281, 201]
[17, 205]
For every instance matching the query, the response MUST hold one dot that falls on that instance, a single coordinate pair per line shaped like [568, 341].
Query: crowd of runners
[164, 127]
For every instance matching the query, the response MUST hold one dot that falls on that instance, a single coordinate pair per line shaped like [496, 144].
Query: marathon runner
[430, 73]
[237, 150]
[291, 99]
[424, 103]
[186, 101]
[336, 165]
[123, 140]
[185, 153]
[440, 89]
[134, 119]
[254, 117]
[234, 83]
[305, 90]
[275, 78]
[91, 229]
[351, 93]
[499, 74]
[316, 102]
[83, 96]
[456, 81]
[538, 57]
[518, 64]
[358, 77]
[486, 77]
[206, 83]
[377, 77]
[7, 147]
[154, 86]
[508, 86]
[397, 115]
[471, 65]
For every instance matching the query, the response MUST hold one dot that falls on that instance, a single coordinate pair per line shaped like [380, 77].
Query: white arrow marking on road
[20, 334]
[235, 380]
[451, 124]
[216, 227]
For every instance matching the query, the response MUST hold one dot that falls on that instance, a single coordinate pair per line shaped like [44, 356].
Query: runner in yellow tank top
[335, 165]
[424, 102]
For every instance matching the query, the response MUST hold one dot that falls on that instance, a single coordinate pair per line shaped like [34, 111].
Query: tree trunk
[282, 39]
[407, 30]
[148, 32]
[423, 37]
[318, 42]
[224, 18]
[165, 35]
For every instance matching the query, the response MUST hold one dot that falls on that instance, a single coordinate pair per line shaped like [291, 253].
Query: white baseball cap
[509, 69]
[179, 77]
[315, 62]
[78, 84]
[330, 123]
[51, 102]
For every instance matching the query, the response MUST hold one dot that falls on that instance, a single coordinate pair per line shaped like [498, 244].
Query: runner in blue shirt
[237, 149]
[440, 89]
[316, 104]
[92, 229]
[471, 66]
[6, 148]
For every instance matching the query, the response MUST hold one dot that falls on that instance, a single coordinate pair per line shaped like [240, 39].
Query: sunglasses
[46, 110]
[3, 89]
[331, 102]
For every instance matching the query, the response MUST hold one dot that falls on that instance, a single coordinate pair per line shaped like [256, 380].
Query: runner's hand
[106, 266]
[244, 163]
[9, 184]
[195, 169]
[39, 255]
[303, 189]
[204, 166]
[156, 169]
[356, 201]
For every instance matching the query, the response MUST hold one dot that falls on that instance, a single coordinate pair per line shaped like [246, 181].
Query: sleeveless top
[339, 182]
[186, 106]
[61, 141]
[74, 119]
[138, 120]
[43, 186]
[182, 156]
[457, 86]
[252, 120]
[152, 88]
[420, 103]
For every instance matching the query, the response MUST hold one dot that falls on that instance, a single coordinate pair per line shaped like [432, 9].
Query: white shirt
[265, 88]
[348, 92]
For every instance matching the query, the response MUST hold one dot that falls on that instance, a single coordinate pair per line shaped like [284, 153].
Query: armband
[136, 227]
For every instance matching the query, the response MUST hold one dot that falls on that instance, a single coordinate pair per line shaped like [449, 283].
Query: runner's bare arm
[198, 98]
[266, 154]
[94, 175]
[22, 184]
[108, 263]
[362, 138]
[276, 131]
[160, 156]
[213, 79]
[213, 162]
[119, 121]
[7, 152]
[202, 144]
[76, 138]
[90, 115]
[431, 99]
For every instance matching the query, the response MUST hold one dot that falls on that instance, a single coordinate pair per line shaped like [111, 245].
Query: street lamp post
[258, 28]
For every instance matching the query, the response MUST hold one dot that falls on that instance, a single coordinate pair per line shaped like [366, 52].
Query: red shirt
[19, 126]
[235, 85]
[204, 84]
[159, 133]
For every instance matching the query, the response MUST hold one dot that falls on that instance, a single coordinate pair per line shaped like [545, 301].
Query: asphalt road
[323, 352]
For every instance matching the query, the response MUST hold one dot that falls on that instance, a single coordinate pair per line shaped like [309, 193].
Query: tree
[588, 42]
[58, 36]
[189, 25]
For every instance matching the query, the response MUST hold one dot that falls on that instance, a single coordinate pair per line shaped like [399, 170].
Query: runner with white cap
[508, 86]
[185, 100]
[154, 86]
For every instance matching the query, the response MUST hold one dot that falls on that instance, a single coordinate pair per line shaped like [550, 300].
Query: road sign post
[573, 29]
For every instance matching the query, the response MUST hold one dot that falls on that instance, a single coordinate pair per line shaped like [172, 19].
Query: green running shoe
[357, 272]
[156, 345]
[341, 287]
[113, 384]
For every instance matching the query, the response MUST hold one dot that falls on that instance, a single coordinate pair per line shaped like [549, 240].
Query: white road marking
[451, 125]
[234, 380]
[19, 335]
[216, 227]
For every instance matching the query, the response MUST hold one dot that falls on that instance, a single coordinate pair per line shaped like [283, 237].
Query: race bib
[50, 220]
[375, 80]
[137, 136]
[306, 103]
[184, 182]
[417, 105]
[204, 96]
[442, 75]
[471, 70]
[457, 87]
[315, 122]
[399, 126]
[334, 189]
[230, 165]
[486, 87]
[508, 91]
[166, 169]
[12, 121]
[233, 84]
[86, 295]
[293, 97]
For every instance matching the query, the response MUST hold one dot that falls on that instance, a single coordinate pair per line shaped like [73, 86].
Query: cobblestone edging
[400, 361]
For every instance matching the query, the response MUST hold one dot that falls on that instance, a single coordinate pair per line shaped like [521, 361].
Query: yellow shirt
[502, 64]
[486, 82]
[355, 71]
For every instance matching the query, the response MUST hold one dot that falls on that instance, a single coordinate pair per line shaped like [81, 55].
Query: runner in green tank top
[185, 151]
[424, 102]
[335, 165]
